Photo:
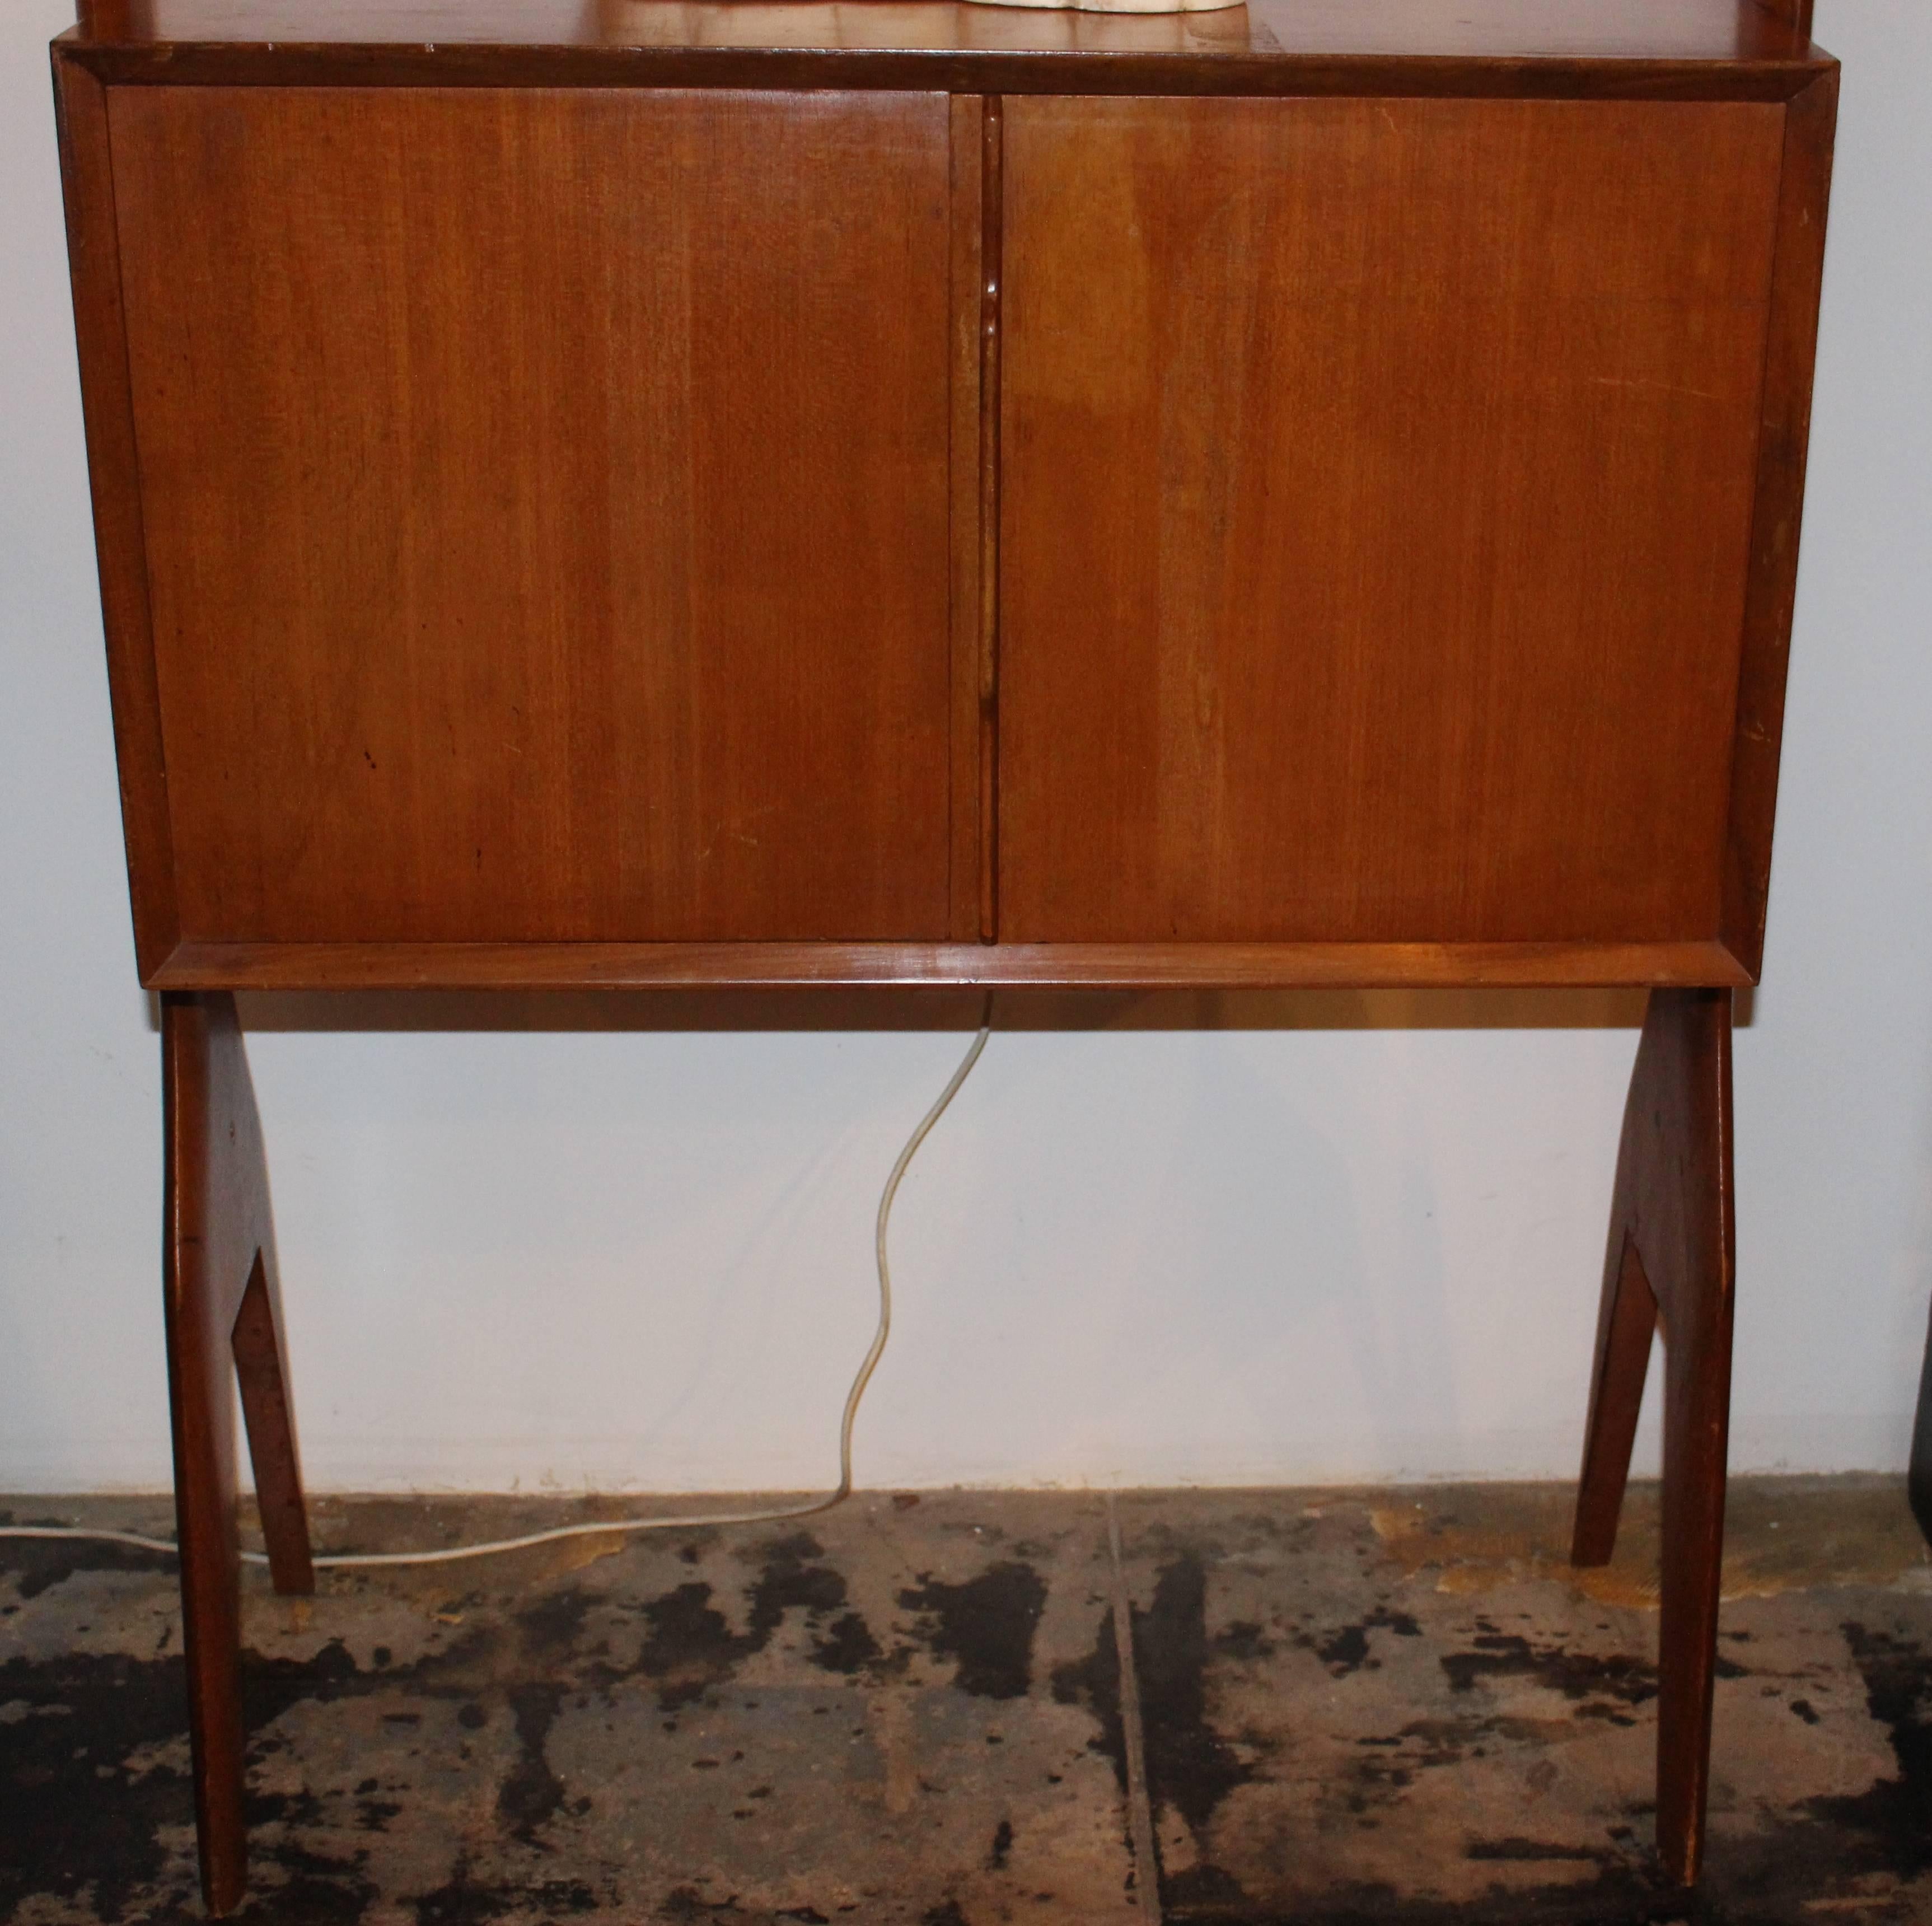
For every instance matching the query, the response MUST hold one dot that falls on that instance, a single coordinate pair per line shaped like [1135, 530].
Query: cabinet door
[546, 506]
[1377, 490]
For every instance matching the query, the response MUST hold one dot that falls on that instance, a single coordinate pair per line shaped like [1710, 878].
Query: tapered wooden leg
[223, 1312]
[1672, 1255]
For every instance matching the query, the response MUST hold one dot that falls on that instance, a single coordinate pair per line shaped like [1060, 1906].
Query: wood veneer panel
[1377, 492]
[1804, 192]
[972, 585]
[992, 200]
[547, 509]
[87, 178]
[1119, 966]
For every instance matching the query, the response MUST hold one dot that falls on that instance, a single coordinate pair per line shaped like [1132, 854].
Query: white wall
[1157, 1240]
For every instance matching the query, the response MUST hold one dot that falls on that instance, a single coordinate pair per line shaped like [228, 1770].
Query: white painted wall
[1157, 1241]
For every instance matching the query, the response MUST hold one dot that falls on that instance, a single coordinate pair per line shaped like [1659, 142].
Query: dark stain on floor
[915, 1714]
[788, 1583]
[462, 1902]
[532, 1792]
[1597, 1683]
[38, 1563]
[1191, 1767]
[691, 1649]
[1611, 1897]
[75, 1813]
[1345, 1649]
[1888, 1826]
[986, 1624]
[1092, 1683]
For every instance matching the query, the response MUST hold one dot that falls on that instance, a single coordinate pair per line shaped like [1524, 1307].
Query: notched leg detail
[1626, 1323]
[261, 1365]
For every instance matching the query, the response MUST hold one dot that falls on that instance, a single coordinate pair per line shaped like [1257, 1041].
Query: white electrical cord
[809, 1509]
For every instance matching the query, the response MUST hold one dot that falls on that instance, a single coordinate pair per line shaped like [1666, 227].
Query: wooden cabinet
[947, 504]
[601, 492]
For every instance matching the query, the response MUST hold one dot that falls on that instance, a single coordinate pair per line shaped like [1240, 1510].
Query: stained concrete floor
[1341, 1707]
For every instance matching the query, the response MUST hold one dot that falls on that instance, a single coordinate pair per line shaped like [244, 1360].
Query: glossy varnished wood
[1672, 1260]
[1784, 433]
[764, 965]
[992, 197]
[222, 1308]
[647, 874]
[259, 1342]
[87, 177]
[1377, 492]
[546, 506]
[971, 459]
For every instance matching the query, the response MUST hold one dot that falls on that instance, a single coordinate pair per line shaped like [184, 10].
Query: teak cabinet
[638, 493]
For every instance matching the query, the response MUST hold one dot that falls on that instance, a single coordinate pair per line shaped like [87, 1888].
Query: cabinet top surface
[1497, 45]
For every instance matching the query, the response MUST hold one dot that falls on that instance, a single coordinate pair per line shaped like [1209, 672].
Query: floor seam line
[1140, 1805]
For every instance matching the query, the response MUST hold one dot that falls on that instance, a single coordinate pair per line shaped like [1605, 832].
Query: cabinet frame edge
[1771, 581]
[114, 480]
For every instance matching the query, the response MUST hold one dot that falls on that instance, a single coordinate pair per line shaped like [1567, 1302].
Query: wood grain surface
[93, 259]
[1783, 438]
[512, 558]
[1656, 50]
[992, 149]
[547, 509]
[1377, 490]
[972, 459]
[365, 966]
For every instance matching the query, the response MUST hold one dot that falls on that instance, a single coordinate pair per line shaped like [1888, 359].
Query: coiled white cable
[605, 1528]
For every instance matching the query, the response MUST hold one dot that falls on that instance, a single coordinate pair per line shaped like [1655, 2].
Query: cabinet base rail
[195, 965]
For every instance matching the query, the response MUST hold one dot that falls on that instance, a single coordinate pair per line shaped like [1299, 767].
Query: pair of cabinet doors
[624, 516]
